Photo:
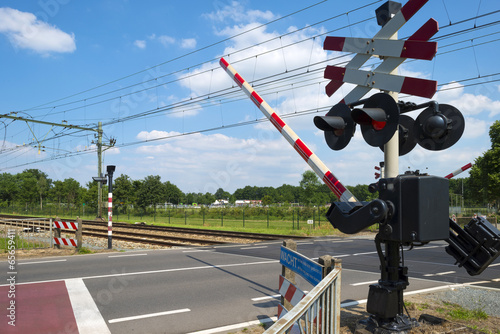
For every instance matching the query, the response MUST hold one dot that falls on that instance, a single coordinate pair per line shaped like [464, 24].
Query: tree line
[33, 187]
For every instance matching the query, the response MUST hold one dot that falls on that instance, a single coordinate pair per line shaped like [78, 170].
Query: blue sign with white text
[305, 267]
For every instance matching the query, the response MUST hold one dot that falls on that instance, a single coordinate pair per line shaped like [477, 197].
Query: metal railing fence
[29, 233]
[318, 312]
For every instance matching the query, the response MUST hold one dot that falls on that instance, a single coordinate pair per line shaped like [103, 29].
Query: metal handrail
[321, 303]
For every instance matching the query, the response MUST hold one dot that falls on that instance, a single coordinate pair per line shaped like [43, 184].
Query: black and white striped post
[110, 169]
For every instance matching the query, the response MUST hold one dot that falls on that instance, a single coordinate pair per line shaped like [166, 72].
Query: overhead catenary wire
[320, 110]
[192, 52]
[252, 56]
[281, 82]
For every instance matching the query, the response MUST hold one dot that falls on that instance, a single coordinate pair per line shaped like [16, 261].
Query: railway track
[158, 235]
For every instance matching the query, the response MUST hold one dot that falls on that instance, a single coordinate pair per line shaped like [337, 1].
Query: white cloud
[166, 40]
[468, 104]
[474, 128]
[141, 44]
[155, 134]
[189, 111]
[236, 12]
[25, 31]
[188, 43]
[217, 160]
[270, 161]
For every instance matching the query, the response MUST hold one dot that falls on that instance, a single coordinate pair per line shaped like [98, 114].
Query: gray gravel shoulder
[472, 298]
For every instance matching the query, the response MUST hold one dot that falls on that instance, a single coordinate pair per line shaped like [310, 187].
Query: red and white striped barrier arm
[312, 160]
[458, 171]
[65, 242]
[66, 225]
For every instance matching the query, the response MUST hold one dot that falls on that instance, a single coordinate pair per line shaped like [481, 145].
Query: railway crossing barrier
[458, 171]
[317, 311]
[59, 225]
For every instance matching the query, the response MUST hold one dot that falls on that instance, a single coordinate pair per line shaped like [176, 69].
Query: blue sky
[149, 71]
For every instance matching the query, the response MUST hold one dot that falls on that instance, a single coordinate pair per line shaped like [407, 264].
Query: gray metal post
[50, 234]
[99, 170]
[391, 149]
[288, 273]
[57, 234]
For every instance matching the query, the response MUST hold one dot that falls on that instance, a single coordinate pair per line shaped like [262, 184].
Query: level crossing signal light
[378, 119]
[338, 126]
[437, 127]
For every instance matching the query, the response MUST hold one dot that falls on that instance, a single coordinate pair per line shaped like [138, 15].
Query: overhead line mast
[76, 127]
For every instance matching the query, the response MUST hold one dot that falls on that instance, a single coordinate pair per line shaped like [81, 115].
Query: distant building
[247, 202]
[220, 202]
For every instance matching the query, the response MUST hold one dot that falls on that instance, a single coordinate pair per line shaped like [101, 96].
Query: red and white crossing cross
[394, 53]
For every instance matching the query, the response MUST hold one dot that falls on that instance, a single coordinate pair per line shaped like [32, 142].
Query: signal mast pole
[99, 145]
[99, 169]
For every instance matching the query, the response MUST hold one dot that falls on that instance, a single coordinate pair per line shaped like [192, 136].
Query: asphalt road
[195, 290]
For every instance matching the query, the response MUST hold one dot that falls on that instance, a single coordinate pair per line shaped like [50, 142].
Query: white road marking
[494, 265]
[363, 283]
[250, 248]
[150, 315]
[36, 262]
[364, 253]
[158, 271]
[337, 241]
[440, 274]
[265, 297]
[234, 327]
[124, 255]
[354, 303]
[428, 247]
[270, 297]
[88, 318]
[260, 243]
[197, 250]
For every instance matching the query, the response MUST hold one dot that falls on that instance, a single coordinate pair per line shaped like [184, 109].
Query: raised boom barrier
[312, 159]
[458, 171]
